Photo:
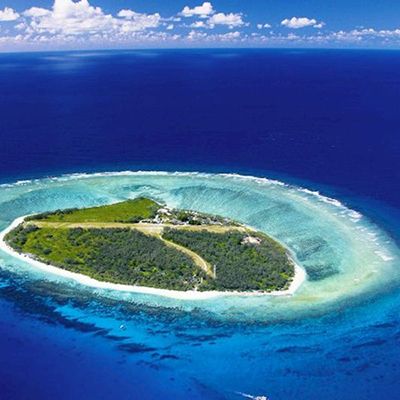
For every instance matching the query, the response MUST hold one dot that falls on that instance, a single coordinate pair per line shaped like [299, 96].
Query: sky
[95, 24]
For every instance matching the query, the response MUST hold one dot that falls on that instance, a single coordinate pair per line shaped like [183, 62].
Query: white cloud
[8, 14]
[34, 12]
[301, 22]
[263, 26]
[202, 11]
[210, 19]
[137, 21]
[292, 36]
[232, 20]
[195, 35]
[126, 13]
[198, 24]
[229, 36]
[21, 26]
[68, 17]
[357, 35]
[389, 33]
[203, 37]
[81, 24]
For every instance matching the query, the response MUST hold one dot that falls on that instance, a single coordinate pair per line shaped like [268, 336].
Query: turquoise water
[283, 346]
[342, 252]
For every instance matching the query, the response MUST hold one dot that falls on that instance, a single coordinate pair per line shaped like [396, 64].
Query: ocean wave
[384, 256]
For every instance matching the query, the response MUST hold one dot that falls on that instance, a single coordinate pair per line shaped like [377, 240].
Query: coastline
[298, 279]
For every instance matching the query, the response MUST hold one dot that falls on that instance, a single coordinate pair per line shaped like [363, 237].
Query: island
[143, 243]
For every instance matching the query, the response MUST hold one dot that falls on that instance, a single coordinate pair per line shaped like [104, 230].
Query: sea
[301, 144]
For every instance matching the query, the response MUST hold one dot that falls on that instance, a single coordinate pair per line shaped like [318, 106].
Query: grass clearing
[129, 211]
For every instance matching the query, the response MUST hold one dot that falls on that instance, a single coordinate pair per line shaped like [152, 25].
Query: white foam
[23, 182]
[383, 255]
[321, 197]
[253, 178]
[249, 396]
[355, 215]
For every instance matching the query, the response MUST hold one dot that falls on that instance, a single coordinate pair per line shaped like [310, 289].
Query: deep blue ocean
[327, 120]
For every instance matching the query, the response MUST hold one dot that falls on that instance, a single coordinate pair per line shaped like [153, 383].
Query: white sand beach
[299, 278]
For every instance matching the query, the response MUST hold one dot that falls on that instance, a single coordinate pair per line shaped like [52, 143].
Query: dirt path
[149, 229]
[199, 261]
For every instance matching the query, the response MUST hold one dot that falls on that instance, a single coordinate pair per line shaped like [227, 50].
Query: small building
[251, 240]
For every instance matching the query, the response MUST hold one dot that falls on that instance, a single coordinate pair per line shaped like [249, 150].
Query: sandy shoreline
[298, 279]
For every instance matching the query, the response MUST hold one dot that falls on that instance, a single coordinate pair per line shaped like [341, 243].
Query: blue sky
[88, 24]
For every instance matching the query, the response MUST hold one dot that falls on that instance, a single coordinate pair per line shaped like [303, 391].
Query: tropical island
[143, 243]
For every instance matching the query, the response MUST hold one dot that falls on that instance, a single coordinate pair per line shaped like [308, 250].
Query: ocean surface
[303, 145]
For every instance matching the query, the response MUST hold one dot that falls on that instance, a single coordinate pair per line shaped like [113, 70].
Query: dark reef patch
[134, 348]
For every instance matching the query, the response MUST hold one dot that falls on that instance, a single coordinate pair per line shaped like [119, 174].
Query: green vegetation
[113, 255]
[170, 249]
[240, 264]
[127, 211]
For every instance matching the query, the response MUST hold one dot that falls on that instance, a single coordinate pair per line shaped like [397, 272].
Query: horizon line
[4, 52]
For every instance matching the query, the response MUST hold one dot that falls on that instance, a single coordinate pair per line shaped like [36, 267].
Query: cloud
[232, 20]
[35, 12]
[82, 24]
[209, 17]
[8, 14]
[203, 37]
[68, 17]
[229, 36]
[301, 22]
[357, 35]
[202, 11]
[137, 21]
[126, 13]
[292, 36]
[198, 24]
[195, 35]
